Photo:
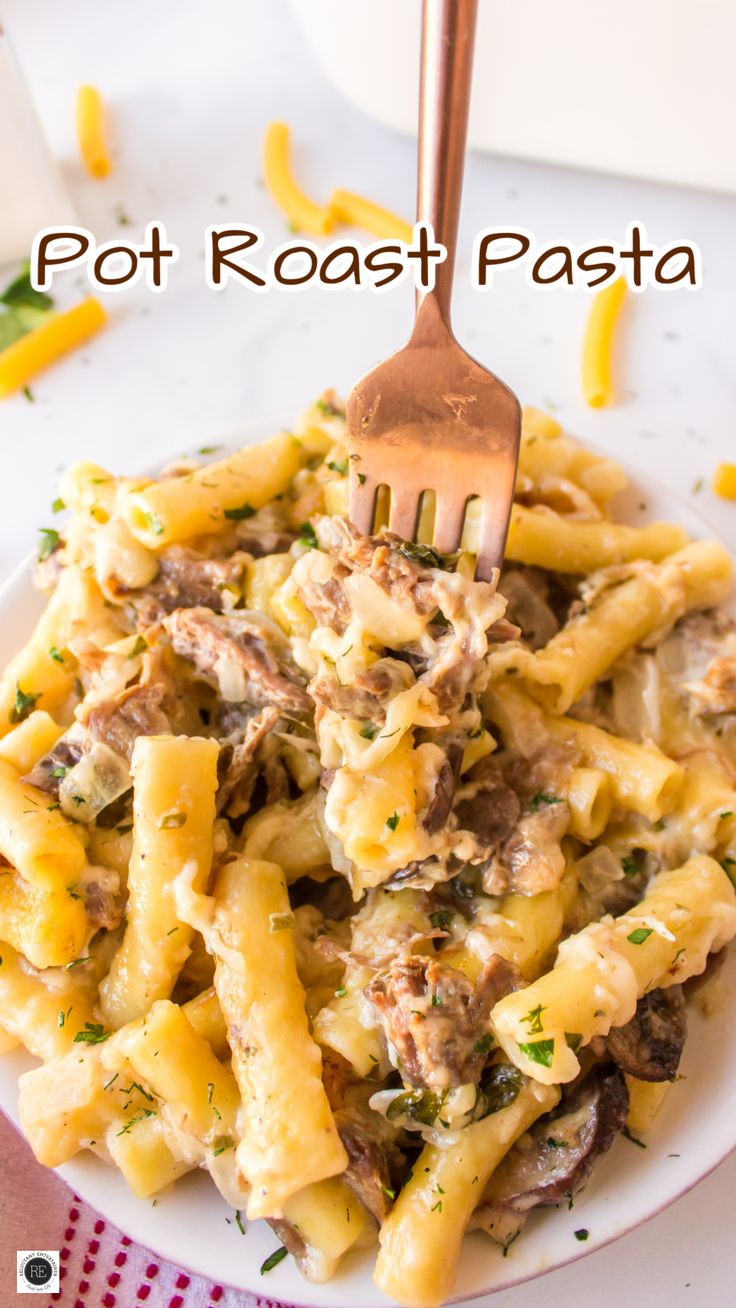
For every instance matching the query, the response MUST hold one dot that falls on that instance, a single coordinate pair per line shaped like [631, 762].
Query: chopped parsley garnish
[390, 1194]
[139, 647]
[208, 449]
[139, 1117]
[361, 478]
[63, 1016]
[59, 772]
[77, 962]
[241, 513]
[239, 1221]
[93, 1034]
[57, 505]
[436, 1208]
[50, 541]
[341, 466]
[727, 814]
[541, 799]
[170, 821]
[729, 867]
[341, 992]
[20, 292]
[73, 890]
[328, 409]
[112, 1081]
[222, 1143]
[573, 1040]
[483, 1044]
[393, 821]
[581, 1234]
[425, 554]
[307, 536]
[555, 1144]
[369, 730]
[154, 524]
[442, 920]
[436, 999]
[633, 863]
[539, 1051]
[638, 936]
[534, 1019]
[625, 1131]
[56, 654]
[25, 702]
[273, 1260]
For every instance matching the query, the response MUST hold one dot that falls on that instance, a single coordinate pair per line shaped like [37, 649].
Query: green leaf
[341, 467]
[56, 654]
[638, 936]
[443, 919]
[534, 1019]
[729, 867]
[25, 702]
[634, 1139]
[540, 800]
[425, 555]
[93, 1034]
[307, 536]
[240, 514]
[20, 291]
[393, 821]
[368, 731]
[483, 1044]
[633, 863]
[50, 541]
[539, 1051]
[273, 1260]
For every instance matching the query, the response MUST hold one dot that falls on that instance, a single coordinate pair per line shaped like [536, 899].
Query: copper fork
[430, 418]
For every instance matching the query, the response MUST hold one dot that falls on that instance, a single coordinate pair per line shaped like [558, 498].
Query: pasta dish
[374, 890]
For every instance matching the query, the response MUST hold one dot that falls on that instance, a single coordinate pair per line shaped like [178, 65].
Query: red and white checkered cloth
[99, 1266]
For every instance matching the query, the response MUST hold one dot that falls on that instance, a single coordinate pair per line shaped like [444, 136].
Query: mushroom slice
[555, 1159]
[650, 1045]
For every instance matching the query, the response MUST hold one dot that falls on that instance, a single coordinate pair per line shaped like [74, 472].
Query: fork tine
[448, 522]
[492, 539]
[362, 502]
[404, 512]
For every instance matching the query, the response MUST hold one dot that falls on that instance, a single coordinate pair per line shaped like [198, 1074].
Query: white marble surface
[190, 88]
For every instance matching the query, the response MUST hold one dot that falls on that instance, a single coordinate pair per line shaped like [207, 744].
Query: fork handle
[448, 35]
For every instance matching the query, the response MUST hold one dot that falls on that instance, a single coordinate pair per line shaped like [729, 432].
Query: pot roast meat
[368, 694]
[376, 1167]
[650, 1045]
[119, 721]
[491, 813]
[236, 762]
[555, 1159]
[116, 722]
[435, 1018]
[187, 579]
[205, 638]
[440, 805]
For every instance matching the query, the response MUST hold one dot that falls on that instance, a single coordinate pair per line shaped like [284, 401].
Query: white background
[190, 88]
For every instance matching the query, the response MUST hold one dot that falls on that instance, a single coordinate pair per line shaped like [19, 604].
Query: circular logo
[38, 1270]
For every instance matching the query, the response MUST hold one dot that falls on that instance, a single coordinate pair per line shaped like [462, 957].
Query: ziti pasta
[363, 886]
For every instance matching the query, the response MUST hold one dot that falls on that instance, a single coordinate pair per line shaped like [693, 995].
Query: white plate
[696, 1129]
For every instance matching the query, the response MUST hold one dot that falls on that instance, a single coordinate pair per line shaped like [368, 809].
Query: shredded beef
[204, 638]
[434, 1017]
